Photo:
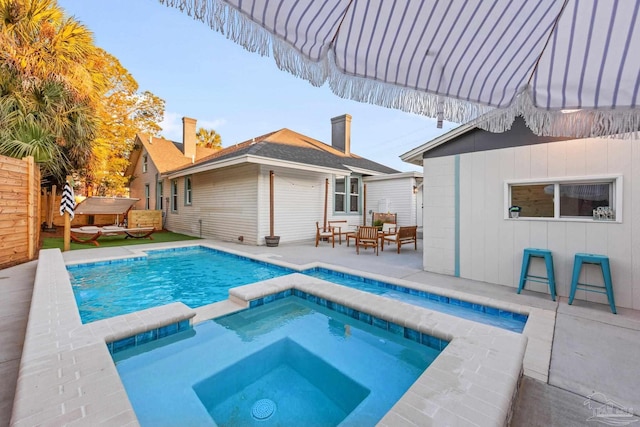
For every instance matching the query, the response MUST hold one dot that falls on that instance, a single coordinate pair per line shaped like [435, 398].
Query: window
[174, 195]
[347, 195]
[187, 191]
[147, 196]
[566, 198]
[159, 194]
[145, 163]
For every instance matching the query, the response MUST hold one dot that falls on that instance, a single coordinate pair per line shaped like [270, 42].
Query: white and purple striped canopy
[570, 68]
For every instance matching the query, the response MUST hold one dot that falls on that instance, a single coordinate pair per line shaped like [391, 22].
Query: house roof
[288, 147]
[166, 155]
[415, 156]
[471, 138]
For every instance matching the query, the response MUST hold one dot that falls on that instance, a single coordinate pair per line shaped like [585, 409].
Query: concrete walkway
[16, 286]
[594, 352]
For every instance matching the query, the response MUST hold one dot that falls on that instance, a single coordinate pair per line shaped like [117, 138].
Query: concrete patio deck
[593, 350]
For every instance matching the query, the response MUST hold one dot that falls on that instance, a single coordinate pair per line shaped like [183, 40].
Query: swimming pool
[199, 276]
[288, 362]
[195, 276]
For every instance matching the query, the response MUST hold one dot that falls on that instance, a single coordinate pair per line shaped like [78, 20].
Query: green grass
[111, 241]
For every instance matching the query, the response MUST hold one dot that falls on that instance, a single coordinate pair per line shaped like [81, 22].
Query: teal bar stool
[549, 279]
[607, 289]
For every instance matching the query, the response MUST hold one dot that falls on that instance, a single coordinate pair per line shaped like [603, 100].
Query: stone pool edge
[67, 375]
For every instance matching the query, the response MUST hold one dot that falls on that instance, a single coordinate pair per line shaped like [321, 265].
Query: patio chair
[322, 233]
[367, 237]
[388, 229]
[403, 236]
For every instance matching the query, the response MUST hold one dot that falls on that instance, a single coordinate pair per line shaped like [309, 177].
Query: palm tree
[209, 138]
[50, 86]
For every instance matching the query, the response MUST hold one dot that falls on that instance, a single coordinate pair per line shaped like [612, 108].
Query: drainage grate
[263, 409]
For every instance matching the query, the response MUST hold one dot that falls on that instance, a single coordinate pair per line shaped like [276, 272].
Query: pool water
[289, 362]
[195, 276]
[478, 313]
[198, 276]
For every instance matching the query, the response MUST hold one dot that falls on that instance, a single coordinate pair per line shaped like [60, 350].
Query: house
[153, 156]
[472, 178]
[231, 194]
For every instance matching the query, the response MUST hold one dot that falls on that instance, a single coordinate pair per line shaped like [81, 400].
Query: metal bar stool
[607, 289]
[549, 279]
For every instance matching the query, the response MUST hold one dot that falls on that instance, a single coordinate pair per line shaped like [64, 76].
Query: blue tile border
[394, 328]
[181, 249]
[426, 295]
[148, 336]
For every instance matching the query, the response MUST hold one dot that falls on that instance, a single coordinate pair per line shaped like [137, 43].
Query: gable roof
[289, 148]
[471, 138]
[166, 155]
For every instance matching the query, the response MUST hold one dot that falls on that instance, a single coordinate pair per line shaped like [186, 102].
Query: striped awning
[570, 68]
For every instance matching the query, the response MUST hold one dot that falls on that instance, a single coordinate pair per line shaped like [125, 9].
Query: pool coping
[67, 374]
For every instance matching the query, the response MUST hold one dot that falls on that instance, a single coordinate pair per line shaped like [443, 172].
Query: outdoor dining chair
[367, 237]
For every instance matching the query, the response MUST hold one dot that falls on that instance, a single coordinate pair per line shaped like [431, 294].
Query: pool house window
[147, 196]
[187, 191]
[174, 195]
[597, 198]
[159, 194]
[347, 195]
[145, 163]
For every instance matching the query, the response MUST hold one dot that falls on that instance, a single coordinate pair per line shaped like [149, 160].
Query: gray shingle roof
[291, 146]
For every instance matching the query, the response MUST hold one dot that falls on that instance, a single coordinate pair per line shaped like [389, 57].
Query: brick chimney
[341, 133]
[189, 137]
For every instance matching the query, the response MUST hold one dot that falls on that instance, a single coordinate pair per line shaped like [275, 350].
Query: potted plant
[514, 211]
[378, 223]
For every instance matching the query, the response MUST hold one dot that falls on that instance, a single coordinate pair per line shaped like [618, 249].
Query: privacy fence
[19, 210]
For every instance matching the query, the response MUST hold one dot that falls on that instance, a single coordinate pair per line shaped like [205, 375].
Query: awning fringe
[238, 28]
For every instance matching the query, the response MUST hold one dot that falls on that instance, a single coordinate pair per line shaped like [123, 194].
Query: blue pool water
[198, 276]
[476, 312]
[288, 362]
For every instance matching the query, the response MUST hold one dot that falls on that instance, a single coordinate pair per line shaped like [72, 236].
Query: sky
[201, 74]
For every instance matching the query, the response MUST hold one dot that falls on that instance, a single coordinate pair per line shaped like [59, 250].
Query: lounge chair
[404, 235]
[367, 237]
[87, 234]
[322, 233]
[90, 234]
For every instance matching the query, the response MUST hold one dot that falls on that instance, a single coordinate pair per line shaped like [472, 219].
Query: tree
[209, 138]
[50, 85]
[123, 113]
[65, 101]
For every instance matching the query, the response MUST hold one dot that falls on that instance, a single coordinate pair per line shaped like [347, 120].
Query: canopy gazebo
[103, 210]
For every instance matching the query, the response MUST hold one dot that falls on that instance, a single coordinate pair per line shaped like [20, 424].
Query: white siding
[225, 202]
[298, 204]
[439, 215]
[491, 247]
[399, 196]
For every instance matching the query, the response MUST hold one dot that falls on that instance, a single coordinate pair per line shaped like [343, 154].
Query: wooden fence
[19, 210]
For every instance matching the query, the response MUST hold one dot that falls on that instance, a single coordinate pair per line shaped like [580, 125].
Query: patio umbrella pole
[67, 221]
[271, 203]
[326, 195]
[364, 204]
